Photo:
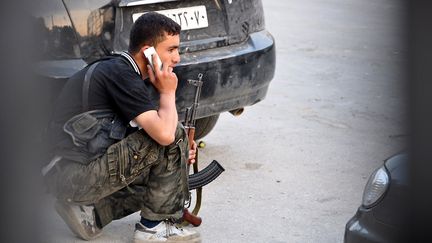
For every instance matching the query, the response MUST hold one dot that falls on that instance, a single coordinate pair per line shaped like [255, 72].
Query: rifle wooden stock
[190, 218]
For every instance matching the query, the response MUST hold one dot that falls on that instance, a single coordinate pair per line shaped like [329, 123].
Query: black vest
[88, 135]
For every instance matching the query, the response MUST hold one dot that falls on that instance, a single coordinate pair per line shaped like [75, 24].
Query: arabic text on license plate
[188, 18]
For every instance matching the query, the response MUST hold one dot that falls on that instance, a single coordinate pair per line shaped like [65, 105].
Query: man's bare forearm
[161, 124]
[168, 112]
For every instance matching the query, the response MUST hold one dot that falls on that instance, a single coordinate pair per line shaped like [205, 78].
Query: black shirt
[115, 84]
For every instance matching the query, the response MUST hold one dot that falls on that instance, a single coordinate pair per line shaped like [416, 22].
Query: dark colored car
[225, 40]
[382, 217]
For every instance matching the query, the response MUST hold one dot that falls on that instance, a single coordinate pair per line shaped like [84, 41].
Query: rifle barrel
[198, 83]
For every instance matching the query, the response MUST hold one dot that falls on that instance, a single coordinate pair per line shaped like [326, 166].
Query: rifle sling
[86, 86]
[197, 206]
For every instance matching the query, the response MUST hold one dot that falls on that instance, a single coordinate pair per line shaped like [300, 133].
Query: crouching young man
[118, 150]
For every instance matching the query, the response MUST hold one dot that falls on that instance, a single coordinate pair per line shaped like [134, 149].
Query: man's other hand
[192, 152]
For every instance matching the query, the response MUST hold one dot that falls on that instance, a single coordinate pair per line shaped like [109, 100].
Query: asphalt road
[297, 162]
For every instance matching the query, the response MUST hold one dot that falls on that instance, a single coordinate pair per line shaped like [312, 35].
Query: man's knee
[75, 183]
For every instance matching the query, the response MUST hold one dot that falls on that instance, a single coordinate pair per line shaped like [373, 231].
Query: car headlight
[376, 187]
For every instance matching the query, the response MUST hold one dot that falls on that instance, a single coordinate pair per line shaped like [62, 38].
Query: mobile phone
[148, 54]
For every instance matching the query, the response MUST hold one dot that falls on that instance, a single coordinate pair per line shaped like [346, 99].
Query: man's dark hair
[150, 29]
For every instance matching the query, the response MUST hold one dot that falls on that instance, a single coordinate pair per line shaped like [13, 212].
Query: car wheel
[203, 126]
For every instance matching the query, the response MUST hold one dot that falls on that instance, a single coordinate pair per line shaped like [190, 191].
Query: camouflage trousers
[134, 174]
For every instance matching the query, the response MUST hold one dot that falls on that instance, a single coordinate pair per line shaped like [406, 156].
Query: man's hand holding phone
[160, 74]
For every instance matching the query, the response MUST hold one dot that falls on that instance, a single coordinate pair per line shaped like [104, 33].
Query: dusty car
[383, 215]
[225, 40]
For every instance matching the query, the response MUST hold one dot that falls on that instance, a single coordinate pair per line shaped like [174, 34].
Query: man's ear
[142, 53]
[144, 48]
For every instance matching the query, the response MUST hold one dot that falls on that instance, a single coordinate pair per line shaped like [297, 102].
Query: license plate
[188, 18]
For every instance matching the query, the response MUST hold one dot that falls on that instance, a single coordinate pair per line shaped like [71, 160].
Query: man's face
[168, 50]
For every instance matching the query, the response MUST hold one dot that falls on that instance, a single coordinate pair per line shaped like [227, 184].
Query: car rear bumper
[235, 76]
[365, 228]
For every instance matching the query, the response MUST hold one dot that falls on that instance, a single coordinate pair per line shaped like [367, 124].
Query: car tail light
[376, 187]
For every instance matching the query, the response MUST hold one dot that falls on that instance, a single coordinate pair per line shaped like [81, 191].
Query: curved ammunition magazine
[205, 176]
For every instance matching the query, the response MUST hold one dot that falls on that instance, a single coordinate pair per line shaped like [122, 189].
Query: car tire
[203, 126]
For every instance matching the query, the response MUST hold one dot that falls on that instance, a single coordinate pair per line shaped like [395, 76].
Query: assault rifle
[198, 179]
